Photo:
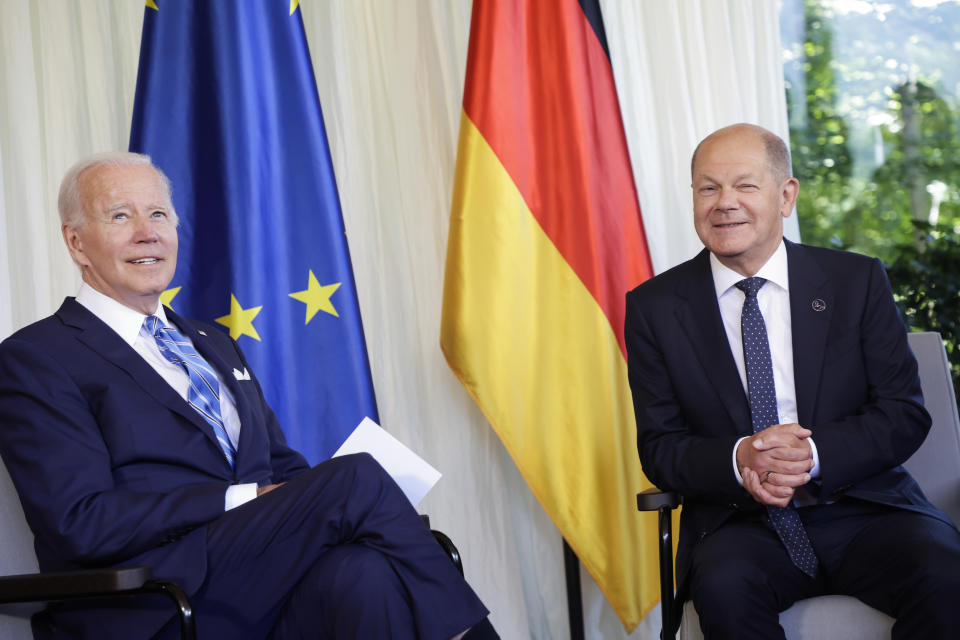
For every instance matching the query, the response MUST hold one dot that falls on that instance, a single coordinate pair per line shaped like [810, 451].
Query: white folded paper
[414, 476]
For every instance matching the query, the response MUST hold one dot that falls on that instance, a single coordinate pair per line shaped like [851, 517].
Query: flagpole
[574, 595]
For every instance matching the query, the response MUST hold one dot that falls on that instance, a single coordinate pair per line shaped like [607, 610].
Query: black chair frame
[445, 543]
[664, 502]
[97, 583]
[132, 581]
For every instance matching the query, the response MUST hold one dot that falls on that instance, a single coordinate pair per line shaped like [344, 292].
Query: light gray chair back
[16, 556]
[935, 466]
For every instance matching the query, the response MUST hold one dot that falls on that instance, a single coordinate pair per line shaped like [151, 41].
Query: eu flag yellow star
[240, 320]
[317, 297]
[166, 298]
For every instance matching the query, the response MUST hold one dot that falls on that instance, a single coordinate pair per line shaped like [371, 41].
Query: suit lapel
[104, 341]
[204, 345]
[812, 301]
[208, 350]
[699, 315]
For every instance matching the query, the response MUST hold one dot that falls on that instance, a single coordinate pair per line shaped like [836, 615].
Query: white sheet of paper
[414, 475]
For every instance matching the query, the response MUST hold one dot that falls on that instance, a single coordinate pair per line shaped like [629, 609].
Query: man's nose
[727, 199]
[145, 230]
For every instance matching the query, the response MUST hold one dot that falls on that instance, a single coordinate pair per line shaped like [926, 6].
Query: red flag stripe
[541, 92]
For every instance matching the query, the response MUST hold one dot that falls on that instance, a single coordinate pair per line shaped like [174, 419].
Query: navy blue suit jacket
[111, 464]
[855, 376]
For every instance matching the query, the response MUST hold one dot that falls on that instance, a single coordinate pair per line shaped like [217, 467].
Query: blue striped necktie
[204, 392]
[763, 412]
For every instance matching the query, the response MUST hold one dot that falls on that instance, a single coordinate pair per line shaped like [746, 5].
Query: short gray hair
[778, 155]
[70, 201]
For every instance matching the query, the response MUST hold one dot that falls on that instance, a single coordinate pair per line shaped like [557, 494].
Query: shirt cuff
[238, 494]
[815, 471]
[736, 471]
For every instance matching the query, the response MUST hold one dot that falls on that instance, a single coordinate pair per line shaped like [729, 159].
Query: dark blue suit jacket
[856, 384]
[111, 464]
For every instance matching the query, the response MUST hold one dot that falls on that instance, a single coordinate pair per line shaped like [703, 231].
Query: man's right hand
[774, 462]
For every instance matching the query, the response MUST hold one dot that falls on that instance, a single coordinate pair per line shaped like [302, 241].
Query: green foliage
[875, 137]
[818, 138]
[925, 278]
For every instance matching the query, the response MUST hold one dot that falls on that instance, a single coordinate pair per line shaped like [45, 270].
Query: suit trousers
[338, 552]
[901, 562]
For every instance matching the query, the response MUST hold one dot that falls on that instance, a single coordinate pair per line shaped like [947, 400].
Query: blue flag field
[226, 104]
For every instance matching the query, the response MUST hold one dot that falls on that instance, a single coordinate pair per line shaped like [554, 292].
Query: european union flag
[227, 106]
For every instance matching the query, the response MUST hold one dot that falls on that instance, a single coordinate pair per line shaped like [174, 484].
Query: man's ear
[71, 237]
[791, 189]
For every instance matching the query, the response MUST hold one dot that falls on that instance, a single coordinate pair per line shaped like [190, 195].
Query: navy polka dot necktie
[763, 412]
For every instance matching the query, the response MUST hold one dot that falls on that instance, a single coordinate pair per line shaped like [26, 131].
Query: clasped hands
[268, 488]
[774, 462]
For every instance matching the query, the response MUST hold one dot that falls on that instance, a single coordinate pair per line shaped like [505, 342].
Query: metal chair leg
[188, 629]
[666, 573]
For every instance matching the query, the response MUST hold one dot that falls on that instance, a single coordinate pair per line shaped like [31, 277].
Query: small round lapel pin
[818, 304]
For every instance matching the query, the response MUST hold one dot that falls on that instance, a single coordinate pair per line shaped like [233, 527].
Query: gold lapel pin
[818, 304]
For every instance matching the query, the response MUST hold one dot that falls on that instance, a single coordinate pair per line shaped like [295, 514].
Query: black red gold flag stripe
[546, 238]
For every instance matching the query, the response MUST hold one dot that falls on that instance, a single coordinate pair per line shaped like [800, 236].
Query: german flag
[545, 240]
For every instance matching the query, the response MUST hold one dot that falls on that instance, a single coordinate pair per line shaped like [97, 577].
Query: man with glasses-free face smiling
[125, 240]
[774, 390]
[137, 437]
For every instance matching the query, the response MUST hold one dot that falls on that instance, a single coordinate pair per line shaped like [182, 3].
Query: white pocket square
[241, 376]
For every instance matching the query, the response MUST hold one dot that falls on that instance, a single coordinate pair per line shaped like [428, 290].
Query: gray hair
[778, 156]
[70, 201]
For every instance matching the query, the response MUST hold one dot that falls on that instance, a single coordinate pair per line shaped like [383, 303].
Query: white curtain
[390, 77]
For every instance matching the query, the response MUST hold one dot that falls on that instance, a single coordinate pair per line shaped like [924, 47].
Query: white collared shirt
[774, 301]
[128, 324]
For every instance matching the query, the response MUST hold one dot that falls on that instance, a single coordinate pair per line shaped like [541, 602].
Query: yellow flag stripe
[534, 349]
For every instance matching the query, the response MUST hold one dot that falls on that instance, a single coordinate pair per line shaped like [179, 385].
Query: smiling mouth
[145, 261]
[728, 225]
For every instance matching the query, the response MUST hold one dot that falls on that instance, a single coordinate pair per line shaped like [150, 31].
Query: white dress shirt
[774, 301]
[128, 324]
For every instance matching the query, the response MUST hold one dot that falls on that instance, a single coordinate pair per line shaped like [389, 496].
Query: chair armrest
[449, 548]
[36, 587]
[664, 502]
[653, 499]
[445, 543]
[94, 583]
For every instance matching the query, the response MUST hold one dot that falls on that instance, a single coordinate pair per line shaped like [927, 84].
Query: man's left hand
[267, 488]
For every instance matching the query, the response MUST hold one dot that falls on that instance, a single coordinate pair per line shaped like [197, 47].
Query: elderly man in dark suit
[135, 436]
[775, 391]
